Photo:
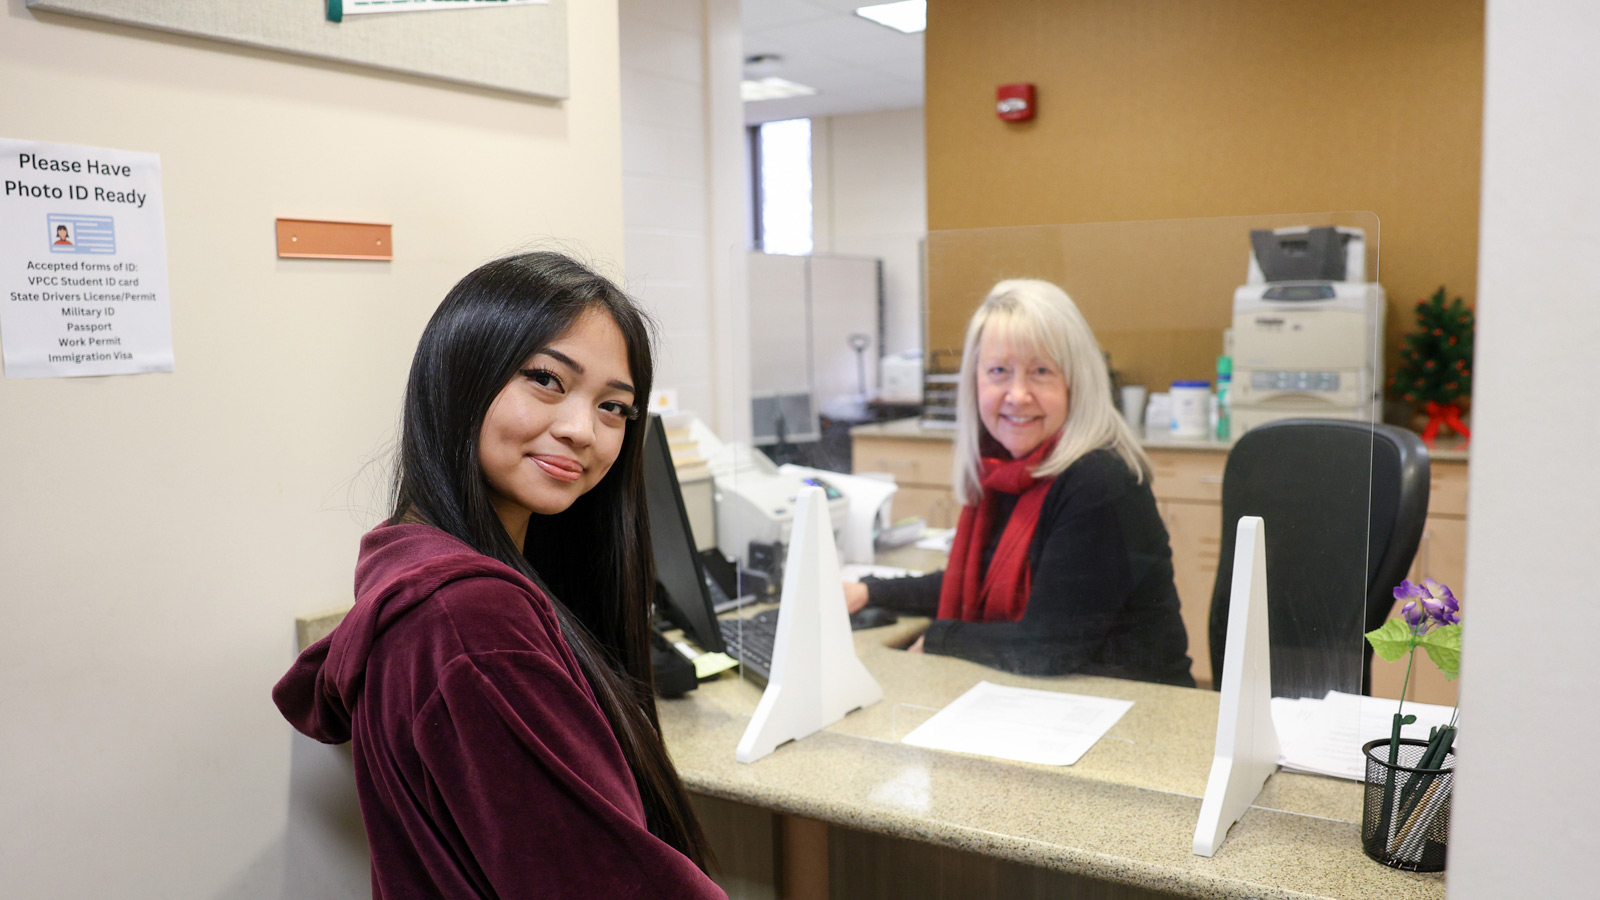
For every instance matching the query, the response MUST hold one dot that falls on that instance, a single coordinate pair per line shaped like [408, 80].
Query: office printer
[755, 500]
[1307, 329]
[869, 509]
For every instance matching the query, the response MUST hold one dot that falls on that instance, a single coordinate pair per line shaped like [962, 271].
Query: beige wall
[870, 197]
[158, 533]
[686, 190]
[1165, 109]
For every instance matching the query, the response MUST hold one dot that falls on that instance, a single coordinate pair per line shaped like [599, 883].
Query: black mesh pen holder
[1405, 819]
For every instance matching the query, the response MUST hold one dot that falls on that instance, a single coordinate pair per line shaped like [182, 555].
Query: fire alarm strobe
[1014, 102]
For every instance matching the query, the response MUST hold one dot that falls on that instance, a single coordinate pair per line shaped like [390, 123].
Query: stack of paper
[684, 447]
[937, 539]
[1325, 736]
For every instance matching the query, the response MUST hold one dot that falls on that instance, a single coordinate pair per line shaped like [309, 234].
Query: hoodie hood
[399, 568]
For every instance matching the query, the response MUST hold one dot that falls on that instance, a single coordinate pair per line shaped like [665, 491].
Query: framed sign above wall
[521, 48]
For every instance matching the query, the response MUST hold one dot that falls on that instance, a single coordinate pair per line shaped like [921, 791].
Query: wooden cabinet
[1188, 475]
[1188, 489]
[1195, 530]
[933, 504]
[921, 466]
[924, 463]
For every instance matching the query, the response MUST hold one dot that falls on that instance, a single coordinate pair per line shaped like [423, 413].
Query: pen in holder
[1405, 819]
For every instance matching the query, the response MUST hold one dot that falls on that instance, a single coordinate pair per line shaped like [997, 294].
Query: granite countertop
[1452, 449]
[1124, 813]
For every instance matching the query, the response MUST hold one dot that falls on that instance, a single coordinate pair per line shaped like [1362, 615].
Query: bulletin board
[522, 49]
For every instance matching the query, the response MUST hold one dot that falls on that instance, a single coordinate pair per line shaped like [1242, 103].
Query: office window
[782, 155]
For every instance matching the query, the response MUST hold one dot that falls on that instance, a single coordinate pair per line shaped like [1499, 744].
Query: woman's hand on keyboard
[855, 596]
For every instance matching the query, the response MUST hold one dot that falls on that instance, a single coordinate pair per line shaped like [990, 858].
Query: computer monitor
[776, 418]
[681, 592]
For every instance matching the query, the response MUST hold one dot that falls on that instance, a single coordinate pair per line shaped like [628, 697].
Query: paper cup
[1133, 405]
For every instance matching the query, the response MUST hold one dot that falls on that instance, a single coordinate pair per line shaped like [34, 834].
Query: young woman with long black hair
[494, 673]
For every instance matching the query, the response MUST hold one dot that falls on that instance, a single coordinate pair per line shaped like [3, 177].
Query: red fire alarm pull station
[1014, 102]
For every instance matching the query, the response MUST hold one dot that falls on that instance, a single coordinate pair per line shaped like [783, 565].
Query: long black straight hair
[593, 558]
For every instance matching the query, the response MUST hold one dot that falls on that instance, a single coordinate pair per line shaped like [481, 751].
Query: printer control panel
[828, 490]
[1294, 381]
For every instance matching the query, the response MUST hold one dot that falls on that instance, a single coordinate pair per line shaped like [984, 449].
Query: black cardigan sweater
[1102, 600]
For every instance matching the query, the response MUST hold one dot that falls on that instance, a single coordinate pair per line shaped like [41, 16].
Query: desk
[907, 822]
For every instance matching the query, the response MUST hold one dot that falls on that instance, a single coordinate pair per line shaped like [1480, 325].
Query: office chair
[1335, 549]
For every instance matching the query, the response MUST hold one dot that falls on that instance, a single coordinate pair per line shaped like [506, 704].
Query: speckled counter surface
[1444, 450]
[1125, 813]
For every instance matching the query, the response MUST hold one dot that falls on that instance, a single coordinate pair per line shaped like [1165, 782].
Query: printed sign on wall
[83, 262]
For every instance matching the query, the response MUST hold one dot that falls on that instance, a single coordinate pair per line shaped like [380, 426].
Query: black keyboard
[750, 641]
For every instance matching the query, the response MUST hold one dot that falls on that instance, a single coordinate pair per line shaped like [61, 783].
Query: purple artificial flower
[1427, 603]
[1449, 612]
[1442, 591]
[1408, 591]
[1434, 609]
[1414, 615]
[1412, 611]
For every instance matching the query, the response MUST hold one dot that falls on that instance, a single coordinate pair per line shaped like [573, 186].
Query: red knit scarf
[1001, 593]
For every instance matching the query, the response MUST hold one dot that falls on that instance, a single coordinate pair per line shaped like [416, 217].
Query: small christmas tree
[1435, 370]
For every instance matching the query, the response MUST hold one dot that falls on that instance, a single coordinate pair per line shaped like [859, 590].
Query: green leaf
[1444, 648]
[1392, 640]
[1408, 720]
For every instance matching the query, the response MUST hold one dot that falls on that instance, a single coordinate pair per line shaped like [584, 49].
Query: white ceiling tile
[856, 65]
[773, 41]
[831, 77]
[760, 15]
[835, 30]
[896, 49]
[887, 97]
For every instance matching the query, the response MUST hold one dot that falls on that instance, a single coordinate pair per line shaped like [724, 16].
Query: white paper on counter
[1023, 724]
[1324, 737]
[937, 539]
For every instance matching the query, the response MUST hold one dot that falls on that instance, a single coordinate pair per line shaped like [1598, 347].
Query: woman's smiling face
[1022, 394]
[556, 427]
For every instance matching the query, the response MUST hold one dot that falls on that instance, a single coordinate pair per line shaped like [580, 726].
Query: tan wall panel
[1157, 294]
[1161, 109]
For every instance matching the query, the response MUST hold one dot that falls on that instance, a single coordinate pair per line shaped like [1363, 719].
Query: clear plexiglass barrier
[1209, 329]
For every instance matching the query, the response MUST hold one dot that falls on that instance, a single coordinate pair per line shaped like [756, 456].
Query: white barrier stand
[1247, 743]
[816, 678]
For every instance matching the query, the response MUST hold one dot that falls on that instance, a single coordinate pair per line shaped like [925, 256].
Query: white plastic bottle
[1191, 408]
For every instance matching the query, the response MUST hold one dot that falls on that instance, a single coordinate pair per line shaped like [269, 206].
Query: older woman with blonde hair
[1060, 562]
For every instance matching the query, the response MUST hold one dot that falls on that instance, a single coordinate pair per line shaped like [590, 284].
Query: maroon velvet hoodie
[483, 763]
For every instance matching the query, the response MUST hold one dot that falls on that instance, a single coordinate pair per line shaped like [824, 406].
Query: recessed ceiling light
[909, 16]
[772, 88]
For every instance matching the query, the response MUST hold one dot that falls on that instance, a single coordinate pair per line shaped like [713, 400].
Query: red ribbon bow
[1444, 414]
